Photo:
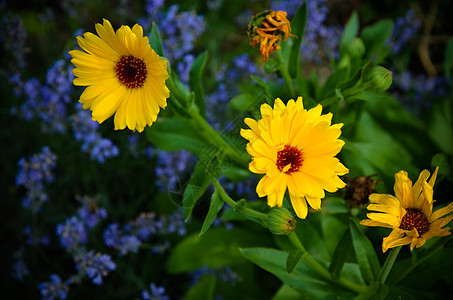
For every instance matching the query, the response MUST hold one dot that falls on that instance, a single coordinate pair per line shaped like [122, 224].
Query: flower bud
[380, 78]
[280, 221]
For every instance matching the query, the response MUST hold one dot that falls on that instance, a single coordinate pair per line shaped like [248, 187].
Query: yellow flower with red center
[294, 148]
[122, 74]
[409, 213]
[267, 29]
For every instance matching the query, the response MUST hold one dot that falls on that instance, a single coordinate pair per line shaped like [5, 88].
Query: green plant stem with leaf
[285, 73]
[382, 277]
[321, 270]
[213, 137]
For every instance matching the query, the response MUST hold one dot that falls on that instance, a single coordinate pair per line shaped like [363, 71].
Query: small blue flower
[155, 293]
[72, 233]
[95, 265]
[55, 289]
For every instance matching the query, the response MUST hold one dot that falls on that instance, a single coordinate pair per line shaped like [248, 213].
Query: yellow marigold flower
[295, 149]
[122, 74]
[267, 29]
[409, 213]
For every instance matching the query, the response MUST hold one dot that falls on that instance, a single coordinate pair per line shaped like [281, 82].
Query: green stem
[212, 136]
[382, 277]
[242, 209]
[285, 74]
[321, 270]
[433, 249]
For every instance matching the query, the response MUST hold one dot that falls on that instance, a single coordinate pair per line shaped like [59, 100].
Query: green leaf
[440, 127]
[350, 31]
[448, 60]
[334, 205]
[195, 78]
[298, 28]
[303, 279]
[287, 293]
[263, 84]
[171, 134]
[215, 249]
[333, 228]
[243, 102]
[214, 208]
[155, 41]
[341, 254]
[441, 160]
[272, 65]
[294, 258]
[332, 82]
[204, 289]
[371, 96]
[366, 256]
[375, 290]
[198, 183]
[375, 38]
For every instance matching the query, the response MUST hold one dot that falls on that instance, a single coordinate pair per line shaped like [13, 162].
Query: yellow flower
[267, 29]
[409, 213]
[122, 74]
[295, 149]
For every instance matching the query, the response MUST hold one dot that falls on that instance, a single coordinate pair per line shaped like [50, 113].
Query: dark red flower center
[131, 71]
[289, 159]
[415, 218]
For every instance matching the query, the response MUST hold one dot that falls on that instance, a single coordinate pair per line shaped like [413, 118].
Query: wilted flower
[267, 29]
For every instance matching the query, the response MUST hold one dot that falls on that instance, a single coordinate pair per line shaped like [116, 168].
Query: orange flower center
[131, 71]
[289, 159]
[415, 218]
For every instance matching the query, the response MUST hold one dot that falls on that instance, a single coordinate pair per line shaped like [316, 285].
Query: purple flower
[55, 289]
[72, 233]
[95, 265]
[155, 293]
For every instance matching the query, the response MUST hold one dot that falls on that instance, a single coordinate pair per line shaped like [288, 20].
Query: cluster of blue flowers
[12, 37]
[86, 131]
[96, 265]
[46, 102]
[33, 174]
[171, 167]
[54, 289]
[405, 28]
[155, 293]
[138, 231]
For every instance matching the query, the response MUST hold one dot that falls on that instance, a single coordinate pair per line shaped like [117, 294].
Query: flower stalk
[385, 271]
[321, 270]
[285, 74]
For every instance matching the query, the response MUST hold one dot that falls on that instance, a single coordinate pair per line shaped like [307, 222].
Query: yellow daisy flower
[122, 74]
[295, 149]
[409, 213]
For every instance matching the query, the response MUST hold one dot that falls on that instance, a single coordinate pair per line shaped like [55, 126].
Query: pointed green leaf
[298, 29]
[204, 289]
[366, 255]
[350, 31]
[303, 279]
[195, 78]
[196, 187]
[214, 208]
[375, 290]
[287, 293]
[155, 41]
[171, 134]
[294, 258]
[341, 254]
[375, 38]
